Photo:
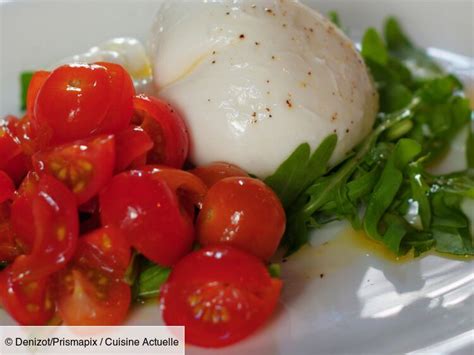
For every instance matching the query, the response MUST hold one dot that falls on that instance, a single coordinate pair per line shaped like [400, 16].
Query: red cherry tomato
[165, 127]
[28, 302]
[91, 297]
[220, 294]
[72, 102]
[215, 172]
[37, 81]
[50, 212]
[122, 91]
[243, 212]
[131, 144]
[91, 291]
[23, 133]
[84, 166]
[148, 212]
[183, 183]
[9, 148]
[22, 218]
[104, 249]
[6, 187]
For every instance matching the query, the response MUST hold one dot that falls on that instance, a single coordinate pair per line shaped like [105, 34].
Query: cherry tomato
[6, 187]
[91, 297]
[9, 249]
[84, 166]
[165, 127]
[215, 172]
[122, 91]
[148, 212]
[50, 211]
[91, 291]
[28, 302]
[131, 144]
[183, 183]
[30, 142]
[37, 81]
[9, 148]
[220, 294]
[244, 212]
[72, 102]
[22, 218]
[104, 249]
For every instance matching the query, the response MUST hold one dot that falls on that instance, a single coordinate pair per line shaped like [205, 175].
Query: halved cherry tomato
[148, 212]
[183, 183]
[84, 166]
[131, 143]
[9, 249]
[51, 211]
[91, 297]
[37, 81]
[122, 91]
[243, 212]
[72, 102]
[104, 249]
[220, 294]
[165, 127]
[22, 219]
[6, 187]
[9, 148]
[215, 172]
[91, 291]
[30, 142]
[28, 302]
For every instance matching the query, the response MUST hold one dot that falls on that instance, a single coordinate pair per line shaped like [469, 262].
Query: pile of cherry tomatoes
[94, 171]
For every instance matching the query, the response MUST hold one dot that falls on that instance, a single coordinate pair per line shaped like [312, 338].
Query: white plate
[363, 303]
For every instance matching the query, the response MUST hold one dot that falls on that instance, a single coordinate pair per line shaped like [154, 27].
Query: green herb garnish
[384, 187]
[25, 78]
[149, 281]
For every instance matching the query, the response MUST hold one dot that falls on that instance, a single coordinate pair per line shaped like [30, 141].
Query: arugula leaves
[25, 78]
[384, 187]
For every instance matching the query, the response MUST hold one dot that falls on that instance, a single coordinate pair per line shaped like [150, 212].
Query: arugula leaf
[300, 170]
[334, 17]
[149, 281]
[470, 148]
[373, 47]
[25, 78]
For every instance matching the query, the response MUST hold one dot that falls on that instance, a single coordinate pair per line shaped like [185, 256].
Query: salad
[104, 201]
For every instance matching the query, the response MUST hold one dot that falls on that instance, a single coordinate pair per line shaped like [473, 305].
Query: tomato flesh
[9, 248]
[220, 294]
[72, 102]
[84, 166]
[148, 213]
[165, 127]
[243, 212]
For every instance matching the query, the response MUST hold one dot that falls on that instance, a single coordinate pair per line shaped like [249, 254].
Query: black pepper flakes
[309, 73]
[227, 13]
[213, 62]
[288, 102]
[321, 275]
[273, 57]
[268, 81]
[213, 52]
[242, 36]
[257, 43]
[347, 130]
[334, 116]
